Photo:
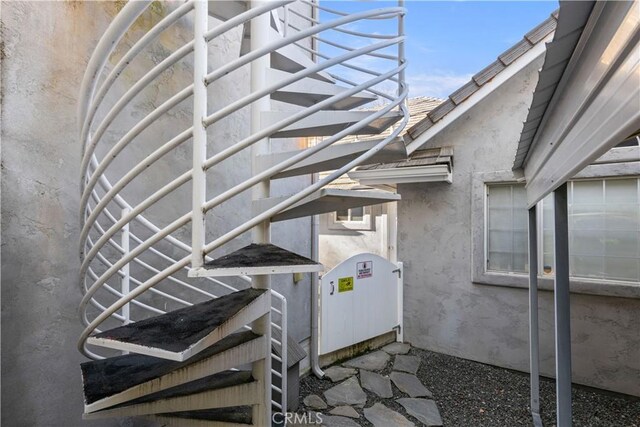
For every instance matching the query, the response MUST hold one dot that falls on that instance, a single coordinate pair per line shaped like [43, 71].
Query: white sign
[364, 269]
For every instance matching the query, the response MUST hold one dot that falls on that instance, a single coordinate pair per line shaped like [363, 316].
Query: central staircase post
[261, 233]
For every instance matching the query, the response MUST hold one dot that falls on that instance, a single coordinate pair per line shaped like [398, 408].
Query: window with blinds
[506, 228]
[604, 229]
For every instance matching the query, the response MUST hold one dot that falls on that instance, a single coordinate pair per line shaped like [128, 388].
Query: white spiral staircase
[197, 350]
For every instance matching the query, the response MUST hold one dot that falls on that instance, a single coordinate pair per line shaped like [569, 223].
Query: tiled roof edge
[530, 39]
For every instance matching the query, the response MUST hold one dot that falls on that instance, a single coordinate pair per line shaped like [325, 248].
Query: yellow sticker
[345, 284]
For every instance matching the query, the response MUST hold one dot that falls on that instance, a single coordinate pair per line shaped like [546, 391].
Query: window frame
[482, 276]
[364, 225]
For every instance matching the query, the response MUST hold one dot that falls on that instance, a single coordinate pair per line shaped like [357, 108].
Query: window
[350, 215]
[604, 230]
[506, 228]
[604, 233]
[358, 218]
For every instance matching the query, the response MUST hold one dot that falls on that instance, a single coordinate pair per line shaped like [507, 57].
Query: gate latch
[397, 270]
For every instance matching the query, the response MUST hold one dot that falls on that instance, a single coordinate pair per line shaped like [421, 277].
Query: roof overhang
[595, 104]
[501, 78]
[405, 175]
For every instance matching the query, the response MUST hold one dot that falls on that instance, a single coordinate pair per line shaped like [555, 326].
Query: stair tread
[334, 157]
[178, 330]
[328, 200]
[233, 414]
[259, 255]
[217, 381]
[107, 377]
[329, 122]
[309, 91]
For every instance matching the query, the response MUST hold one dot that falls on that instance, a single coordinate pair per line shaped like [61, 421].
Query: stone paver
[375, 361]
[381, 416]
[336, 421]
[345, 411]
[397, 348]
[408, 364]
[348, 392]
[338, 373]
[410, 384]
[314, 401]
[423, 409]
[376, 383]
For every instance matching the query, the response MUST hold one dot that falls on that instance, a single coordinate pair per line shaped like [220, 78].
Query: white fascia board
[392, 176]
[597, 108]
[505, 75]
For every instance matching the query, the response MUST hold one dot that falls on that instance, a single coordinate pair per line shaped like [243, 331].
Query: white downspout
[315, 255]
[315, 288]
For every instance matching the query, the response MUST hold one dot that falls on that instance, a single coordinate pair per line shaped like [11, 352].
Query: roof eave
[501, 78]
[404, 175]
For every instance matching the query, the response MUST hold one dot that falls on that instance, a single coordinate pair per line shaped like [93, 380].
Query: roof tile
[488, 73]
[515, 52]
[441, 110]
[542, 30]
[464, 92]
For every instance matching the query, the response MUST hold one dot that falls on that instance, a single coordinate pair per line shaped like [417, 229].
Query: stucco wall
[337, 244]
[446, 312]
[46, 46]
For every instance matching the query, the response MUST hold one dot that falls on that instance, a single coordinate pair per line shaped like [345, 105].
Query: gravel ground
[474, 394]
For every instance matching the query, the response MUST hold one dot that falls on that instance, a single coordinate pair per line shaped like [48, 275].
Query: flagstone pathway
[379, 388]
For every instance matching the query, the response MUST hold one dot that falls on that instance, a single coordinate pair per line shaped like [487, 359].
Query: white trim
[365, 225]
[431, 173]
[514, 68]
[596, 109]
[256, 271]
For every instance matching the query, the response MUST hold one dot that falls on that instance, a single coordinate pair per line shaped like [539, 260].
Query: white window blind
[604, 230]
[506, 228]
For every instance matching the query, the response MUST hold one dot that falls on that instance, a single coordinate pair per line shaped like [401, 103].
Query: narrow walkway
[379, 388]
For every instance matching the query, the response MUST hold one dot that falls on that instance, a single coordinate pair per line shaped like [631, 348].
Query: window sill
[606, 288]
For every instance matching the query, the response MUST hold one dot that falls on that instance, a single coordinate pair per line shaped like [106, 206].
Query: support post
[199, 183]
[562, 308]
[126, 274]
[400, 333]
[534, 352]
[261, 233]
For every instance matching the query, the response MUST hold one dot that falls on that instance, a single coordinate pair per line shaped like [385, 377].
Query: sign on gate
[365, 269]
[356, 304]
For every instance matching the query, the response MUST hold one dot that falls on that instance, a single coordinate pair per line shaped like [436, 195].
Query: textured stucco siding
[46, 46]
[446, 312]
[336, 245]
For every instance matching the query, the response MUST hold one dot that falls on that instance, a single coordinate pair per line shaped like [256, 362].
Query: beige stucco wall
[446, 312]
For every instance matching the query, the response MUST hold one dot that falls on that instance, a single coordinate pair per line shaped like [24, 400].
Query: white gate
[360, 299]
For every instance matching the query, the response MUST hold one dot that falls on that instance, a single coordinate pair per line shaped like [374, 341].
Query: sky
[450, 41]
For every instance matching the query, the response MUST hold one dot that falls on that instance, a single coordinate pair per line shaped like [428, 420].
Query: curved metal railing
[135, 246]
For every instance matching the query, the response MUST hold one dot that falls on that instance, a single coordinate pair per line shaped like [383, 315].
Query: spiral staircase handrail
[103, 258]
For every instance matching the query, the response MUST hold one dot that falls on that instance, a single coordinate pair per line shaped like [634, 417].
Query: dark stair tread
[259, 255]
[232, 414]
[213, 382]
[295, 352]
[107, 377]
[178, 330]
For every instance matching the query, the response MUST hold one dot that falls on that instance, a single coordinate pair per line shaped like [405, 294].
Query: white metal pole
[400, 333]
[284, 346]
[199, 186]
[125, 281]
[401, 56]
[562, 308]
[534, 352]
[261, 233]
